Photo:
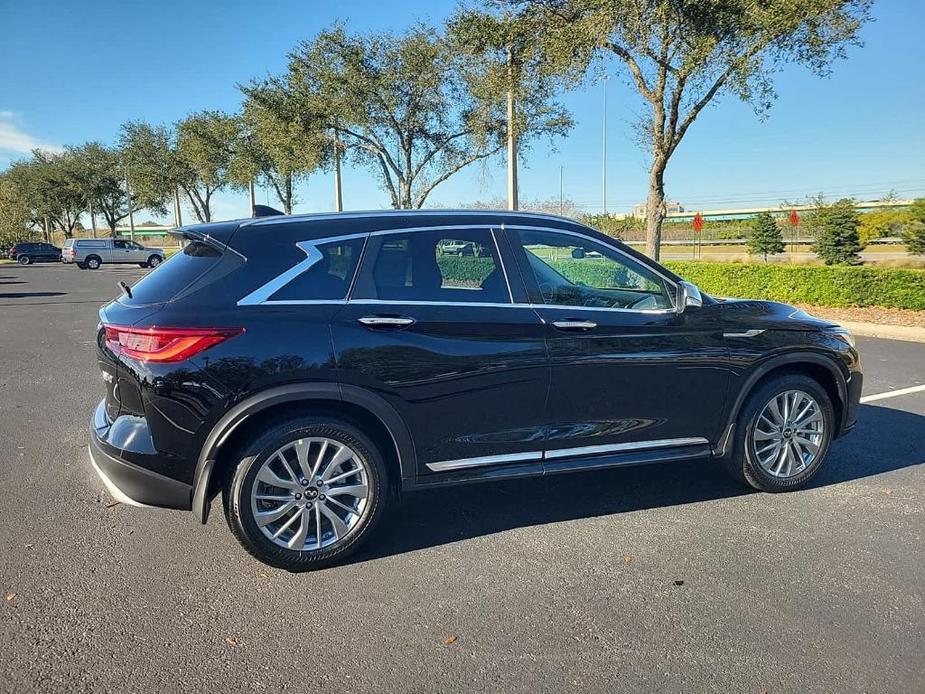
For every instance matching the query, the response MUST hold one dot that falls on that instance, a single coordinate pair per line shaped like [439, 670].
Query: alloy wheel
[310, 494]
[788, 434]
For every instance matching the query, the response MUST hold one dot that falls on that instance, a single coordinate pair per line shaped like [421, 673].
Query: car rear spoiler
[193, 234]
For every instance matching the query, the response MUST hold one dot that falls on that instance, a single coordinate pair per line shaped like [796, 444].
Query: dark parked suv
[34, 252]
[307, 368]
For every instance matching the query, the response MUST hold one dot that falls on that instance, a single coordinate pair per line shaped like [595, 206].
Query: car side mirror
[578, 253]
[688, 296]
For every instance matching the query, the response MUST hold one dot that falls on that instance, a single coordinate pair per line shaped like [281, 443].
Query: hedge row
[808, 284]
[792, 284]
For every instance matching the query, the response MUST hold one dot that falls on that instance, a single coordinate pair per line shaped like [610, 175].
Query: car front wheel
[783, 434]
[306, 493]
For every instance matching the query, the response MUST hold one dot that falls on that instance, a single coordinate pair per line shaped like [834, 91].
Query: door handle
[385, 321]
[574, 324]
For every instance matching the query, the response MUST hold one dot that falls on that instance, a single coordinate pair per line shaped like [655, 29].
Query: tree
[279, 141]
[914, 235]
[194, 156]
[883, 222]
[204, 150]
[507, 55]
[102, 173]
[765, 236]
[151, 160]
[20, 196]
[837, 234]
[682, 56]
[400, 105]
[16, 219]
[56, 189]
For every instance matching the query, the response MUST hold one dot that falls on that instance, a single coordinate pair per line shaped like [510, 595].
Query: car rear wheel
[783, 434]
[154, 261]
[93, 262]
[24, 260]
[306, 493]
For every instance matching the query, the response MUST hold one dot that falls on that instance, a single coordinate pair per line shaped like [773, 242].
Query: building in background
[672, 207]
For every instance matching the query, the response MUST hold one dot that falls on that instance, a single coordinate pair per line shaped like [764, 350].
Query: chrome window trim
[260, 297]
[558, 307]
[556, 454]
[413, 302]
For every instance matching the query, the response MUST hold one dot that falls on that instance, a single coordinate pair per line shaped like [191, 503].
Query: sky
[74, 72]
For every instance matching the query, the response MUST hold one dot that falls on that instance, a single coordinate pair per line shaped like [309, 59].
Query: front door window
[574, 271]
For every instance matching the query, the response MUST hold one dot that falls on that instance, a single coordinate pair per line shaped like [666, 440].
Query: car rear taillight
[164, 345]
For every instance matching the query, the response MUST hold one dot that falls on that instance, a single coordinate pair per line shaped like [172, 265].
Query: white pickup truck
[91, 253]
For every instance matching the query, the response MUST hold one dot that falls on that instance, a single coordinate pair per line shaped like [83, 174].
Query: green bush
[837, 241]
[469, 269]
[809, 284]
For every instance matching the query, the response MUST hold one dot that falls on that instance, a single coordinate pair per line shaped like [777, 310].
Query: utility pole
[511, 136]
[131, 216]
[177, 213]
[92, 219]
[604, 151]
[251, 193]
[338, 193]
[561, 172]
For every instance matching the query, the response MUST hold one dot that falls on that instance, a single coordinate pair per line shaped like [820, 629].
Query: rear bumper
[130, 483]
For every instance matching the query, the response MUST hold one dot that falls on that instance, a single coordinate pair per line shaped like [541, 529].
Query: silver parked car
[91, 253]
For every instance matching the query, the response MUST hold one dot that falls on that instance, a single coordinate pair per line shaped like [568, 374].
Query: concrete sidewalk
[908, 333]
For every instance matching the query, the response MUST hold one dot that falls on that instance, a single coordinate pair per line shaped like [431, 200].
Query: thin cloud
[14, 139]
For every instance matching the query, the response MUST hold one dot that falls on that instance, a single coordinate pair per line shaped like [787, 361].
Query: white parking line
[893, 393]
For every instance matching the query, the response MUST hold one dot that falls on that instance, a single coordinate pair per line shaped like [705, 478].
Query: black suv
[28, 253]
[309, 367]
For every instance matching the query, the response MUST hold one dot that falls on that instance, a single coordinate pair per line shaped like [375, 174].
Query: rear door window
[458, 266]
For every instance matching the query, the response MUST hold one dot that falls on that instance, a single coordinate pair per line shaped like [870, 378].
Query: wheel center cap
[788, 433]
[311, 494]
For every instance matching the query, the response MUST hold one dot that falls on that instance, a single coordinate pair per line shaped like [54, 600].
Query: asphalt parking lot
[664, 578]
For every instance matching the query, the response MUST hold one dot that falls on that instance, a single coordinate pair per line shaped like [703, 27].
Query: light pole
[604, 151]
[561, 173]
[131, 216]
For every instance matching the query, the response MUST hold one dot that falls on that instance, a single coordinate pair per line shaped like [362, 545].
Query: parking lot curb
[907, 333]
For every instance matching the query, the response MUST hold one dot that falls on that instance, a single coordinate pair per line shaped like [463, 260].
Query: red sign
[794, 218]
[698, 222]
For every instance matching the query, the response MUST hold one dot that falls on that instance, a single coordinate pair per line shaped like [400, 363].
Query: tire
[142, 265]
[154, 261]
[252, 459]
[93, 262]
[783, 473]
[81, 266]
[24, 260]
